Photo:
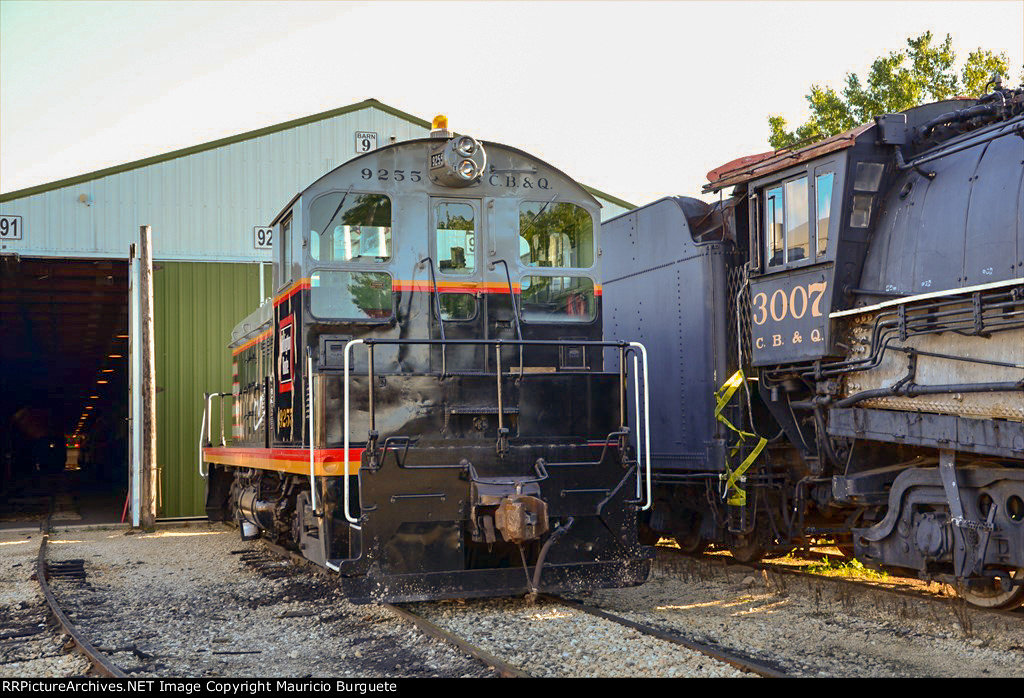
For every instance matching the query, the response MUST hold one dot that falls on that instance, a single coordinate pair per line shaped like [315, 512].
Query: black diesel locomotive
[423, 406]
[839, 346]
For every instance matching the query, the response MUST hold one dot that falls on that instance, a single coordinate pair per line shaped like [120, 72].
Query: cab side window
[284, 252]
[796, 218]
[822, 207]
[797, 234]
[775, 239]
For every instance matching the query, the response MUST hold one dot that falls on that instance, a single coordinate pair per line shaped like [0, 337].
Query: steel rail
[734, 660]
[1012, 615]
[101, 664]
[504, 669]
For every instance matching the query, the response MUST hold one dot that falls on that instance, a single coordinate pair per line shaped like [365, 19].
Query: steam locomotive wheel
[687, 534]
[746, 548]
[993, 596]
[847, 551]
[647, 535]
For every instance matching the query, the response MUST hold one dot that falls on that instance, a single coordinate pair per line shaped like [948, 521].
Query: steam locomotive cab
[886, 277]
[423, 406]
[855, 371]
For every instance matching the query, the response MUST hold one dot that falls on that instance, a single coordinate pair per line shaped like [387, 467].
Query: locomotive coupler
[508, 504]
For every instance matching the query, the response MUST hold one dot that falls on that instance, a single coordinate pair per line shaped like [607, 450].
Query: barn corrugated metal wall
[196, 304]
[203, 205]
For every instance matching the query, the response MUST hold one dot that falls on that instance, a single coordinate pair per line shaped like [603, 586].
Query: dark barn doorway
[63, 390]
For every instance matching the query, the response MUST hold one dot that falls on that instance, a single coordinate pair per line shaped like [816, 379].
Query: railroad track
[742, 663]
[507, 670]
[100, 664]
[502, 668]
[1012, 616]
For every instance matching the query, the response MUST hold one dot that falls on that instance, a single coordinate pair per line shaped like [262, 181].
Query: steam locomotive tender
[871, 288]
[422, 407]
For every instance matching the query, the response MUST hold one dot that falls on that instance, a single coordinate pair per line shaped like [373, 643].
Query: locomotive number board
[789, 317]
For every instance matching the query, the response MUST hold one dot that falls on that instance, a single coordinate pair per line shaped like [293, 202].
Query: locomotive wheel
[746, 548]
[687, 535]
[994, 596]
[647, 535]
[847, 551]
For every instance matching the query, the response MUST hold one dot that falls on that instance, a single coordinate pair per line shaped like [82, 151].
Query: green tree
[922, 72]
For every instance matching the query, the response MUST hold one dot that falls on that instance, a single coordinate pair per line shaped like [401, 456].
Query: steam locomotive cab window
[797, 215]
[797, 234]
[555, 235]
[457, 306]
[775, 240]
[456, 237]
[868, 176]
[822, 208]
[350, 295]
[346, 227]
[557, 299]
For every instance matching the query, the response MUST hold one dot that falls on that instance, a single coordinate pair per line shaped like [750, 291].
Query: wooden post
[135, 383]
[147, 345]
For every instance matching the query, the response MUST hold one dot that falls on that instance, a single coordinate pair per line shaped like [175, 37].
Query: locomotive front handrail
[647, 421]
[312, 445]
[625, 347]
[437, 306]
[354, 523]
[206, 427]
[511, 295]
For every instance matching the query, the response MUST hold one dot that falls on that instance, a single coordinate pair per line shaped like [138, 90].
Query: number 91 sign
[10, 228]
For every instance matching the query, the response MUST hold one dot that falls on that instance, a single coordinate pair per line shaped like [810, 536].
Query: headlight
[457, 162]
[465, 146]
[467, 169]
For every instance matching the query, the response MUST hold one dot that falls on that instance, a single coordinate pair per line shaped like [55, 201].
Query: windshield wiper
[331, 219]
[529, 223]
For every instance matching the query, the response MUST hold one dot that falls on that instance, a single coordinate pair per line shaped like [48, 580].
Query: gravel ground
[29, 644]
[810, 627]
[178, 603]
[547, 639]
[196, 601]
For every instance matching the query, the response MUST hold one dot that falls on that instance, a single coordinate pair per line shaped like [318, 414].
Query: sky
[636, 99]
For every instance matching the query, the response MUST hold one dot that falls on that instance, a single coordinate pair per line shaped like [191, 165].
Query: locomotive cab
[886, 281]
[423, 406]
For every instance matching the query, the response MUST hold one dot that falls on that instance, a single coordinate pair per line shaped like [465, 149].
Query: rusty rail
[861, 585]
[101, 664]
[741, 663]
[503, 668]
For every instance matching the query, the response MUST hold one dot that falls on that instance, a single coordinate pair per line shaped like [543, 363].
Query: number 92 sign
[262, 237]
